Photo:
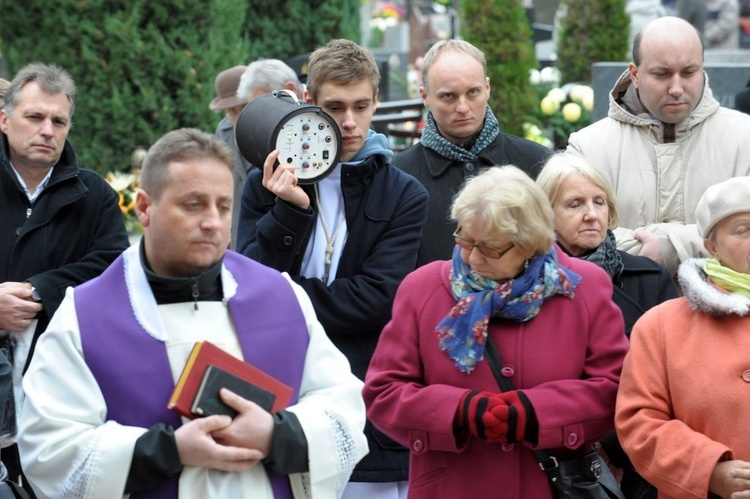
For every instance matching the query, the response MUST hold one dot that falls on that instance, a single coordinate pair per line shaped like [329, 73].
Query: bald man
[665, 140]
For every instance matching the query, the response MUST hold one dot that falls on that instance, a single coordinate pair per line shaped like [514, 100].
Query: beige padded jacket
[658, 184]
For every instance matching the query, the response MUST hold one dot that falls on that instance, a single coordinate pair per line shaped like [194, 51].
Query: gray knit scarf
[607, 257]
[432, 139]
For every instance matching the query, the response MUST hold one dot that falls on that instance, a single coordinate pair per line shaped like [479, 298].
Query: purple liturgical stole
[132, 367]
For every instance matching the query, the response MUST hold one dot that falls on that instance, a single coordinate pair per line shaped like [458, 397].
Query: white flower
[120, 181]
[533, 133]
[582, 94]
[557, 94]
[550, 74]
[535, 77]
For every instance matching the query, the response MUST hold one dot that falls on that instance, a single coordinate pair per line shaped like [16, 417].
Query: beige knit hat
[721, 200]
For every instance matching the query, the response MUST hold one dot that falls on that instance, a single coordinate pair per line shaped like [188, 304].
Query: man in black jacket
[60, 225]
[349, 239]
[461, 137]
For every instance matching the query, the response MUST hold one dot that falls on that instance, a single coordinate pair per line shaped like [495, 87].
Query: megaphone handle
[285, 92]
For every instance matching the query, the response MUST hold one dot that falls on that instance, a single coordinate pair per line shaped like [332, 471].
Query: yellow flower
[588, 102]
[583, 95]
[549, 105]
[125, 184]
[557, 94]
[571, 112]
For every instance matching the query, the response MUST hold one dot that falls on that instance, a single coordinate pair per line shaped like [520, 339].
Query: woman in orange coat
[684, 400]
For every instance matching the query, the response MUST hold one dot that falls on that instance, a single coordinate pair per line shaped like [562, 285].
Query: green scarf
[735, 282]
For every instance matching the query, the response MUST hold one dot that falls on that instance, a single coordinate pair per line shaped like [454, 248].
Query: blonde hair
[459, 46]
[341, 62]
[509, 203]
[562, 165]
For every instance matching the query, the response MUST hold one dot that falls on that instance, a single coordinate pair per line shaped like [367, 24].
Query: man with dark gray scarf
[461, 137]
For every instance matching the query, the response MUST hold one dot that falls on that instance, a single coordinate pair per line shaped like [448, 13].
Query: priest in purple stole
[96, 423]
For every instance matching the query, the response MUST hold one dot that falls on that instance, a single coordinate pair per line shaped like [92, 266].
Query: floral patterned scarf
[462, 333]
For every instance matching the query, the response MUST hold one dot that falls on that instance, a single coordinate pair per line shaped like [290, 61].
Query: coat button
[746, 376]
[19, 230]
[417, 445]
[507, 447]
[287, 240]
[572, 439]
[469, 167]
[508, 371]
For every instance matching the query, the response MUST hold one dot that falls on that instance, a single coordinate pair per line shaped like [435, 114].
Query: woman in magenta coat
[553, 322]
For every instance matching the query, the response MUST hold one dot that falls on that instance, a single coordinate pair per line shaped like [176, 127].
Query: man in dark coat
[349, 239]
[460, 138]
[60, 225]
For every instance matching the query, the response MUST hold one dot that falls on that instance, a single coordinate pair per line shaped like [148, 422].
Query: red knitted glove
[506, 423]
[495, 417]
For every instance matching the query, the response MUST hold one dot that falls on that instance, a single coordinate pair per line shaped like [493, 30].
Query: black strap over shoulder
[563, 475]
[496, 364]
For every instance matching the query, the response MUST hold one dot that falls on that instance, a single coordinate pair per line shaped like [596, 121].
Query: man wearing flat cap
[227, 101]
[683, 405]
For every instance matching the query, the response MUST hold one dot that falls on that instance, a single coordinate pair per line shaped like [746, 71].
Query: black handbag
[11, 490]
[585, 478]
[8, 488]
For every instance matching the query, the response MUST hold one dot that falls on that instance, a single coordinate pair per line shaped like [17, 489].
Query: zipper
[195, 295]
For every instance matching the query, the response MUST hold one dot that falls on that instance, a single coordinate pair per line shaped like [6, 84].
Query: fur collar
[703, 296]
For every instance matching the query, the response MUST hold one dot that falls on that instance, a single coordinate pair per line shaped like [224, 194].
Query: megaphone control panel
[308, 142]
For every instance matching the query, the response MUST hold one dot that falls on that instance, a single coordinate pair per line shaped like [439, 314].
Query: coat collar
[142, 298]
[707, 106]
[65, 168]
[703, 296]
[438, 165]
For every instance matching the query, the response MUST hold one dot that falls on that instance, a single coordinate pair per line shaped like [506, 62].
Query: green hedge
[591, 31]
[145, 67]
[501, 30]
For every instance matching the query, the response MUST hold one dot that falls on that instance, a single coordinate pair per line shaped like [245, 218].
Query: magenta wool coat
[567, 360]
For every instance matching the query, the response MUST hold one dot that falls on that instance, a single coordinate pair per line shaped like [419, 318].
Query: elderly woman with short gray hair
[431, 384]
[583, 200]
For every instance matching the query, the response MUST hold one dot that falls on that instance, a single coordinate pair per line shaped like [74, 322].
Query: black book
[208, 402]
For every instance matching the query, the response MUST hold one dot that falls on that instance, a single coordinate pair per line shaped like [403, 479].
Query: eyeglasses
[487, 251]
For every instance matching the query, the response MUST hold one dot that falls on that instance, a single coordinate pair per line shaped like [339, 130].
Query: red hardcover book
[206, 354]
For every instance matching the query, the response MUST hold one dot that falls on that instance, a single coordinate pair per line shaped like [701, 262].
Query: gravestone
[724, 78]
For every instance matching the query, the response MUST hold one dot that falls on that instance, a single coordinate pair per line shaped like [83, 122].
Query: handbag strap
[547, 462]
[545, 459]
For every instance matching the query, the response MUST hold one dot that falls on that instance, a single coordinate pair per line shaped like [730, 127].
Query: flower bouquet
[126, 185]
[562, 109]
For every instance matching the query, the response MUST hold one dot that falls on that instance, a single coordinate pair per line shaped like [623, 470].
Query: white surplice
[69, 450]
